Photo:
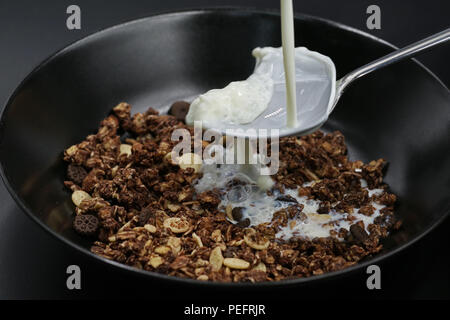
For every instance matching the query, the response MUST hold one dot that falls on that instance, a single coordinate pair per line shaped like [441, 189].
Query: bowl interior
[400, 113]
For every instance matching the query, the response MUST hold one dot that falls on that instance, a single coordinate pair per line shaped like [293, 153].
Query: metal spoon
[319, 115]
[396, 56]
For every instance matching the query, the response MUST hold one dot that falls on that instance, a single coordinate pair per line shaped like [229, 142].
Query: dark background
[33, 264]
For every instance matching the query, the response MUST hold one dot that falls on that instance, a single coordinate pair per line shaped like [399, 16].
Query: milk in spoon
[259, 102]
[289, 89]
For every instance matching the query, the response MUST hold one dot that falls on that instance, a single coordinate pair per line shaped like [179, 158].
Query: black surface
[395, 284]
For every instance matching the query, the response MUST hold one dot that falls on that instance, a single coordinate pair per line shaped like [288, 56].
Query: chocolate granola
[150, 216]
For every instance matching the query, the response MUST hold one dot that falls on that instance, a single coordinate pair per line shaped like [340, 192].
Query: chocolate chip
[243, 223]
[85, 225]
[179, 110]
[76, 173]
[145, 214]
[286, 198]
[237, 213]
[358, 233]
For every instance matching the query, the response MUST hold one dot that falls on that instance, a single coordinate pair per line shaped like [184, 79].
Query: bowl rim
[187, 281]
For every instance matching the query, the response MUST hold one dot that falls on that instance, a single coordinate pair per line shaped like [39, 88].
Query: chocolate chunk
[237, 213]
[179, 110]
[85, 225]
[76, 173]
[243, 223]
[145, 214]
[358, 233]
[324, 208]
[286, 198]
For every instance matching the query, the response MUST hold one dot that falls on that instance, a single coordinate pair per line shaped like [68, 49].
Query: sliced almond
[216, 259]
[175, 244]
[199, 271]
[150, 228]
[319, 217]
[173, 207]
[260, 267]
[155, 261]
[125, 149]
[162, 250]
[177, 225]
[201, 263]
[72, 150]
[183, 195]
[258, 243]
[235, 263]
[197, 239]
[79, 196]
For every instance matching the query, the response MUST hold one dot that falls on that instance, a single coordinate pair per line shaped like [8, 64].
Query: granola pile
[141, 209]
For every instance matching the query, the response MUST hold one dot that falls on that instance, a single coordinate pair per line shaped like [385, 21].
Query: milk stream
[288, 41]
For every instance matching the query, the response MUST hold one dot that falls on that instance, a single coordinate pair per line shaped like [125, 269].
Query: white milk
[288, 41]
[260, 207]
[260, 101]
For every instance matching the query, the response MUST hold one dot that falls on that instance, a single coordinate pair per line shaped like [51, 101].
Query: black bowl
[400, 113]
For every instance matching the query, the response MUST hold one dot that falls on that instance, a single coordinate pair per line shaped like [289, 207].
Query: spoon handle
[391, 58]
